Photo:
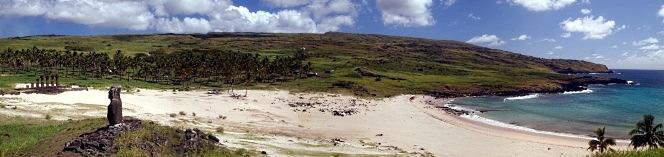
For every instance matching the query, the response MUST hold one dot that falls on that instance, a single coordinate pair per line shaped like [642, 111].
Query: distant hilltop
[387, 43]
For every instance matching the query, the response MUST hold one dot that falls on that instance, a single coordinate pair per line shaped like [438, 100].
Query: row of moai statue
[45, 81]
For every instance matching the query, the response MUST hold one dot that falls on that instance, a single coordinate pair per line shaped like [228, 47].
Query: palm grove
[177, 68]
[645, 134]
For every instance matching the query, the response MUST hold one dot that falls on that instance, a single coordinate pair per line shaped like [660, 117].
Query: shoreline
[508, 132]
[475, 116]
[478, 123]
[277, 115]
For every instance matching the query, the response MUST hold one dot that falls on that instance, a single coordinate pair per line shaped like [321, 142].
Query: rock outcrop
[571, 84]
[101, 141]
[152, 140]
[114, 114]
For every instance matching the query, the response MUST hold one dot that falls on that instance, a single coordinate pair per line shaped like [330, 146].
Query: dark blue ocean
[618, 107]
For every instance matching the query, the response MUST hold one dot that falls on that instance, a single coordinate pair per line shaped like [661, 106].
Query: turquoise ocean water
[618, 107]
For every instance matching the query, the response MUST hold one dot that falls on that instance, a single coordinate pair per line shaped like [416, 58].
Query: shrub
[182, 113]
[193, 114]
[220, 130]
[344, 84]
[172, 115]
[48, 117]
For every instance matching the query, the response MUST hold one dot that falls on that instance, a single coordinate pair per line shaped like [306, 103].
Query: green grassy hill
[372, 65]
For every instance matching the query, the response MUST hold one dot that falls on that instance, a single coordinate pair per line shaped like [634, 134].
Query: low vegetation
[632, 153]
[166, 141]
[20, 136]
[36, 137]
[220, 130]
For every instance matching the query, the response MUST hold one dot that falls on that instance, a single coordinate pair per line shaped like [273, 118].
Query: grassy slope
[424, 65]
[644, 153]
[21, 136]
[37, 137]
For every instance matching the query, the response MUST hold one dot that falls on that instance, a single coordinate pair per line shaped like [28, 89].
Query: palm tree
[647, 134]
[601, 143]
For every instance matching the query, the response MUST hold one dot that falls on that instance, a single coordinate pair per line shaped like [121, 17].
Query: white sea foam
[530, 96]
[578, 92]
[496, 123]
[474, 117]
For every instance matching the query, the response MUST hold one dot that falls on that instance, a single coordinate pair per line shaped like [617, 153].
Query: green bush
[220, 130]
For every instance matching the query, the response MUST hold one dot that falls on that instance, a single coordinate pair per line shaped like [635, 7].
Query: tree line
[223, 67]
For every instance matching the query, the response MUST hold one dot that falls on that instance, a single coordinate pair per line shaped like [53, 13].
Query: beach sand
[304, 124]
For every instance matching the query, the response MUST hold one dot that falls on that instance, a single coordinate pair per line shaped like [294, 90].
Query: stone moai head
[114, 92]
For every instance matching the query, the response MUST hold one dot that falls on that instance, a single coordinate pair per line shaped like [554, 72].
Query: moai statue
[46, 81]
[114, 115]
[57, 80]
[39, 81]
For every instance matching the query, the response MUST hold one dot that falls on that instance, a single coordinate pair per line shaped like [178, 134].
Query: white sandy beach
[264, 120]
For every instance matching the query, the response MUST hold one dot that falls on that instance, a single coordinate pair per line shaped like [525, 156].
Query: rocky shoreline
[573, 84]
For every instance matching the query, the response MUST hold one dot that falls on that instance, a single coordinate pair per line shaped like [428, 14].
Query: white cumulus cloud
[126, 14]
[448, 3]
[590, 27]
[522, 37]
[647, 41]
[543, 5]
[186, 25]
[585, 11]
[286, 3]
[184, 7]
[410, 13]
[240, 19]
[649, 55]
[472, 16]
[660, 13]
[23, 7]
[490, 40]
[185, 16]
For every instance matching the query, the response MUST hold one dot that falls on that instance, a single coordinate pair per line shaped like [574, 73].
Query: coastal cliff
[567, 66]
[564, 85]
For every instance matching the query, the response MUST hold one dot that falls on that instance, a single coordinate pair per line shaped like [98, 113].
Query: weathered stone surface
[114, 114]
[194, 140]
[100, 142]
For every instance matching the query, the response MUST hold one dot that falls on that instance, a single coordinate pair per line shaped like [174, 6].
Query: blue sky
[618, 33]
